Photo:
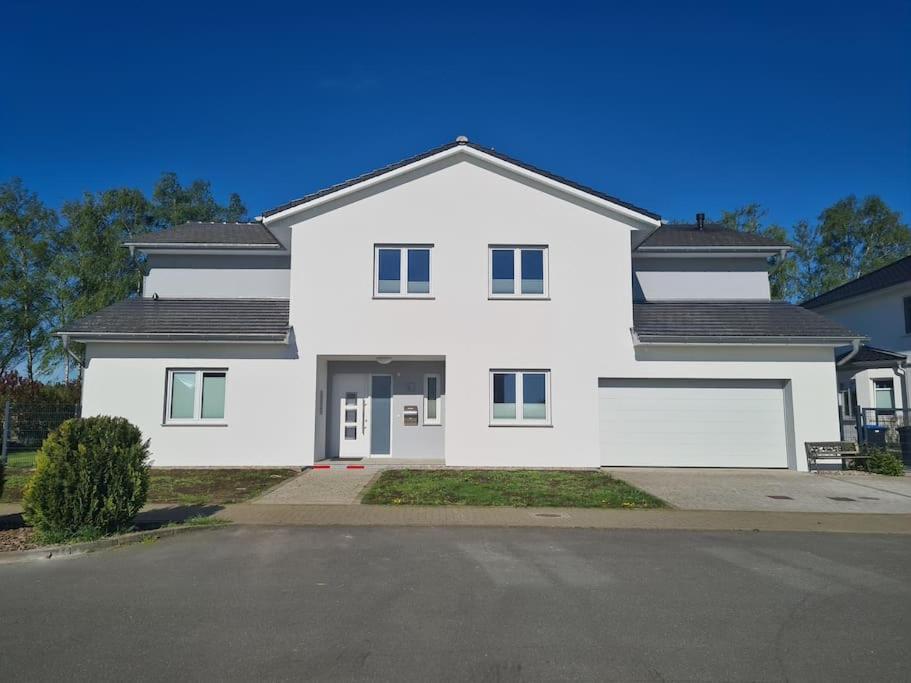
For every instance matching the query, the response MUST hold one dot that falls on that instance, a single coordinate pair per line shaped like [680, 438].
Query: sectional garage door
[692, 423]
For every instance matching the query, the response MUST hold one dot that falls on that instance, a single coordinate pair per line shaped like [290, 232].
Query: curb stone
[56, 552]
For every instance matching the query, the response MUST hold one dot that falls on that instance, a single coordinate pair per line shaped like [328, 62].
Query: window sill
[194, 424]
[517, 297]
[404, 296]
[520, 424]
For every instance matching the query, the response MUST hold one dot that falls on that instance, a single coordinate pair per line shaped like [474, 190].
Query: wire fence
[24, 426]
[890, 428]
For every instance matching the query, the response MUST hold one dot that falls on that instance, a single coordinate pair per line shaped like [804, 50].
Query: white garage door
[692, 423]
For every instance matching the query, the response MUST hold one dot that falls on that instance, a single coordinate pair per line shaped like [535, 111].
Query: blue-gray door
[380, 414]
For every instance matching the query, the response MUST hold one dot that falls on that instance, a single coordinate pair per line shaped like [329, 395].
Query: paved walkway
[772, 490]
[336, 485]
[278, 514]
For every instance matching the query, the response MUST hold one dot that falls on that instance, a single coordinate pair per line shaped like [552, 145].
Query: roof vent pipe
[700, 221]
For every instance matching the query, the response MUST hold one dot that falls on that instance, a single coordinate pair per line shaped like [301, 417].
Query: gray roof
[443, 148]
[711, 236]
[735, 322]
[894, 274]
[209, 235]
[186, 319]
[870, 355]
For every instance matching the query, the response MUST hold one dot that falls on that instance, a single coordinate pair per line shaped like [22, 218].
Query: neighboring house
[465, 307]
[871, 379]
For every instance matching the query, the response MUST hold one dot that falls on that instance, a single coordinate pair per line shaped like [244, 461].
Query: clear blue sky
[678, 107]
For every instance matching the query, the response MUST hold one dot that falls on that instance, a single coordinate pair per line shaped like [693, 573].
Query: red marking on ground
[354, 467]
[321, 467]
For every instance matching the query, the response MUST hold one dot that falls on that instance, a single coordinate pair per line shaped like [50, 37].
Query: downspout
[66, 348]
[855, 347]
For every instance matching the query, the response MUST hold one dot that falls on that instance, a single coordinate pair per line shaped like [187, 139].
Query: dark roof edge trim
[748, 341]
[204, 245]
[174, 337]
[758, 248]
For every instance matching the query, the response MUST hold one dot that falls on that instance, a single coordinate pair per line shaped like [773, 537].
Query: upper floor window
[402, 271]
[518, 272]
[907, 304]
[195, 396]
[883, 395]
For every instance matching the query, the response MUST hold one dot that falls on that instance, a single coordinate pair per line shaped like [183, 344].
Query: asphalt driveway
[283, 603]
[784, 490]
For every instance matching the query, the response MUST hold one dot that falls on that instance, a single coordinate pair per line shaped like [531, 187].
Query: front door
[351, 397]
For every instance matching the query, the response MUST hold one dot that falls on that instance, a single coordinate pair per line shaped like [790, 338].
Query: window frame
[848, 406]
[403, 271]
[520, 420]
[438, 420]
[891, 390]
[517, 271]
[197, 419]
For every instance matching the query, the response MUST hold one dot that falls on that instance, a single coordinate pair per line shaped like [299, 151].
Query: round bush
[91, 478]
[885, 462]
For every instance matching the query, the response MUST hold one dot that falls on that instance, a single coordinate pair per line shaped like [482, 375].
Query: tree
[92, 269]
[850, 239]
[27, 232]
[173, 203]
[749, 218]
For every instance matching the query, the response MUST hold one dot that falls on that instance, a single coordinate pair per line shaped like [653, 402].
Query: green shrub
[91, 478]
[882, 461]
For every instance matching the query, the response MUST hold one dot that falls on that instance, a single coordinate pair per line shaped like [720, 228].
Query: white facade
[280, 400]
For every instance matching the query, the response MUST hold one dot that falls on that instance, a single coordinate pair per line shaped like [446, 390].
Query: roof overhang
[204, 247]
[689, 252]
[463, 150]
[677, 340]
[168, 337]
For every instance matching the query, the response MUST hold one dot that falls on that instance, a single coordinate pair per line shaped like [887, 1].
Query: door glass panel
[350, 399]
[504, 396]
[350, 433]
[213, 395]
[351, 415]
[380, 414]
[432, 396]
[183, 395]
[418, 271]
[389, 271]
[532, 271]
[503, 269]
[534, 396]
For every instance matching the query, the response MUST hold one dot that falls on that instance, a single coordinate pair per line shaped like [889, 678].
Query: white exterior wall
[217, 276]
[700, 279]
[264, 425]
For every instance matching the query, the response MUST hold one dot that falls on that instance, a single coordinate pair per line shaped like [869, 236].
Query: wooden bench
[829, 450]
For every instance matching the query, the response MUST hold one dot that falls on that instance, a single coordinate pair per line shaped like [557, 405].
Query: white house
[871, 378]
[464, 307]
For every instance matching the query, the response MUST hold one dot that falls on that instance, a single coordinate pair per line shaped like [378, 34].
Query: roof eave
[150, 246]
[658, 339]
[255, 338]
[295, 209]
[767, 249]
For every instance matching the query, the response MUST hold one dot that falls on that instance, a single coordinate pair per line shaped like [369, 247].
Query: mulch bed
[22, 538]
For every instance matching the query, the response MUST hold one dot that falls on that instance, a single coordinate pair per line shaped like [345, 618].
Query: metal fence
[24, 426]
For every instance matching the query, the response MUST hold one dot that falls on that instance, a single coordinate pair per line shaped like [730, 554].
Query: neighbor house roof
[442, 148]
[749, 322]
[209, 235]
[711, 236]
[870, 355]
[257, 320]
[894, 274]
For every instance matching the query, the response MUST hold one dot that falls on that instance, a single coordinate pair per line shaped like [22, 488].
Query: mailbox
[410, 416]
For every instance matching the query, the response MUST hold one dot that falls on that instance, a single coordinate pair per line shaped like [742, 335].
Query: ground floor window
[195, 396]
[848, 401]
[431, 399]
[520, 397]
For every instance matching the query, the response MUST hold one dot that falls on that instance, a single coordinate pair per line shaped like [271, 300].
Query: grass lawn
[514, 488]
[186, 487]
[18, 459]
